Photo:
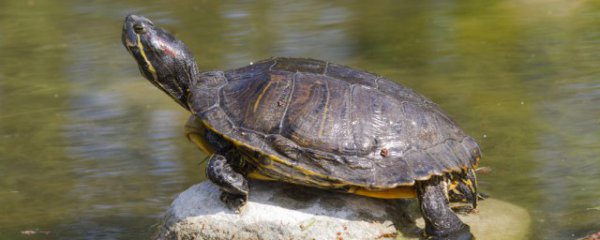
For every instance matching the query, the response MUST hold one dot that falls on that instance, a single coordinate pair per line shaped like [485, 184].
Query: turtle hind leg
[440, 221]
[234, 186]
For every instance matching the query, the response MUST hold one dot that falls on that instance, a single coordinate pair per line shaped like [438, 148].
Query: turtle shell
[325, 125]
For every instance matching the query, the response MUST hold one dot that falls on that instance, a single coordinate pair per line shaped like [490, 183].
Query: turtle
[315, 124]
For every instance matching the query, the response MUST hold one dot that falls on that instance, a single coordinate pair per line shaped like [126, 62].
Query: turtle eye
[138, 28]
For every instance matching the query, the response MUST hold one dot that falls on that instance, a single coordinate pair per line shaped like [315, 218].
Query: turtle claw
[234, 186]
[234, 202]
[465, 210]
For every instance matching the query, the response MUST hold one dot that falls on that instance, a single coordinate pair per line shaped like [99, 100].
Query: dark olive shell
[327, 125]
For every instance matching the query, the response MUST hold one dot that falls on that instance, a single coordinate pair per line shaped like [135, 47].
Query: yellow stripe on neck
[150, 67]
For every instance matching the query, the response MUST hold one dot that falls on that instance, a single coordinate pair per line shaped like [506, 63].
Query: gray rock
[284, 211]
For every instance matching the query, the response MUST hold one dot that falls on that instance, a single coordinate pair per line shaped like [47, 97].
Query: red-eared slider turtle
[313, 123]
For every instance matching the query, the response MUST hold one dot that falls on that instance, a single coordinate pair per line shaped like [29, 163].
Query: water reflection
[286, 28]
[125, 164]
[88, 149]
[568, 158]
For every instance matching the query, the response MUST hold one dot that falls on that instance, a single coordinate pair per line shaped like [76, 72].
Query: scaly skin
[440, 221]
[234, 185]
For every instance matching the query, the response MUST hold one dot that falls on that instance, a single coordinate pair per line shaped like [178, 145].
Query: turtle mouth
[129, 45]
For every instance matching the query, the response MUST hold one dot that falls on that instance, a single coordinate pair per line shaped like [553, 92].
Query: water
[89, 149]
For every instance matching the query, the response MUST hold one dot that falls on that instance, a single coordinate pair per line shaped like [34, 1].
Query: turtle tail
[470, 183]
[464, 187]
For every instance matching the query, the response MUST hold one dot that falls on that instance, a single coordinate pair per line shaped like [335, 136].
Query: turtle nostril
[139, 28]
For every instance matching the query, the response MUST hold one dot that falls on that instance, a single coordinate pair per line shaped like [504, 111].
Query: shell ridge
[288, 103]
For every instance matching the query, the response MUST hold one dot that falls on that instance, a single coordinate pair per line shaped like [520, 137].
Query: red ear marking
[168, 50]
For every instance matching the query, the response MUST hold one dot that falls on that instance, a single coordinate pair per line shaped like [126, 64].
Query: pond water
[90, 150]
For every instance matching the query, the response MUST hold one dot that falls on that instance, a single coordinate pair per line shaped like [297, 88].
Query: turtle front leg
[234, 186]
[440, 221]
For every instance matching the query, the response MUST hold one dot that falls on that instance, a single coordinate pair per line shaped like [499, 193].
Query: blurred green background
[91, 150]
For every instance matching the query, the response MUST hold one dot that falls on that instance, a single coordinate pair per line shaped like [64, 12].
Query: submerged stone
[285, 211]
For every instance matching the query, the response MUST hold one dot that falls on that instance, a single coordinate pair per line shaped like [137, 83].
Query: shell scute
[327, 125]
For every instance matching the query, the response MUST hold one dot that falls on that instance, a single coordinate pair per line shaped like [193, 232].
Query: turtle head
[162, 59]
